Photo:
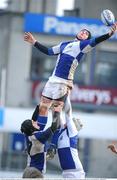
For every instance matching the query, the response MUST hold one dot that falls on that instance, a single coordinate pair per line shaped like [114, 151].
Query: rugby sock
[42, 120]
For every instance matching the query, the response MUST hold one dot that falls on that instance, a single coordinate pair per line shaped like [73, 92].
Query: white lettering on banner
[52, 23]
[72, 28]
[91, 95]
[49, 23]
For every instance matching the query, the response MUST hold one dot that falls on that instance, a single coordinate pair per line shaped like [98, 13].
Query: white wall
[98, 125]
[18, 84]
[91, 8]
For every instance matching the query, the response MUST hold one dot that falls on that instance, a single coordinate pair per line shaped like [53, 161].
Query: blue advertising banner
[1, 116]
[18, 142]
[63, 25]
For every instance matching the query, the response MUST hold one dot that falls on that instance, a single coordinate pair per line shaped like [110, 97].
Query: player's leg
[41, 112]
[59, 97]
[43, 109]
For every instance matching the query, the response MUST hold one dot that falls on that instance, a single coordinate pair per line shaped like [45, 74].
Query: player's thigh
[55, 90]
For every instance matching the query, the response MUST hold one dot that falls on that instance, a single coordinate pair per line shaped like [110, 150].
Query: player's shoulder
[67, 42]
[34, 136]
[87, 42]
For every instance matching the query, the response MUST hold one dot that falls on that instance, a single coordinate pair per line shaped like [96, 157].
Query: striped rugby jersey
[69, 56]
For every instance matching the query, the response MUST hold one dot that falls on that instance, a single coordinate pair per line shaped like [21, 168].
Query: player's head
[32, 172]
[29, 126]
[84, 34]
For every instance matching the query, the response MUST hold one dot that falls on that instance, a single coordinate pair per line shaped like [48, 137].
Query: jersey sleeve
[87, 45]
[43, 136]
[55, 49]
[49, 51]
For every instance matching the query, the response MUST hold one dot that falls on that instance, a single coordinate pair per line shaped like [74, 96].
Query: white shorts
[73, 174]
[55, 90]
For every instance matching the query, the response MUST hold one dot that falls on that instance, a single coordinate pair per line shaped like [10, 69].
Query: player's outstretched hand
[29, 38]
[112, 148]
[113, 28]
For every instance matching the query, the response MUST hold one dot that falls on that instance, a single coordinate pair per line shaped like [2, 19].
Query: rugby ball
[107, 17]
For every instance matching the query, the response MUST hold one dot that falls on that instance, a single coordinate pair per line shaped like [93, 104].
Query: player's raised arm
[28, 37]
[95, 41]
[104, 37]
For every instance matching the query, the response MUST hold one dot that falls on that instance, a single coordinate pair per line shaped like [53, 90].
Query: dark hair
[27, 127]
[32, 172]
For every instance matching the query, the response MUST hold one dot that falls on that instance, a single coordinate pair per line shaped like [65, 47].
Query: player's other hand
[112, 148]
[113, 28]
[51, 152]
[29, 38]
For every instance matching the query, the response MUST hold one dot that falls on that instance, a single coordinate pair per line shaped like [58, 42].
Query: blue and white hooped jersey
[69, 55]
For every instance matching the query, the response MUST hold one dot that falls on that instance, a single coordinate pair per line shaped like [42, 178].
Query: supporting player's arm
[35, 113]
[43, 136]
[51, 151]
